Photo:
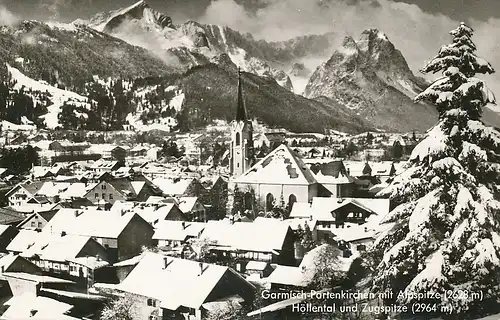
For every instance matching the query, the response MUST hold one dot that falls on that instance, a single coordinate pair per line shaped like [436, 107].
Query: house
[333, 176]
[280, 174]
[21, 193]
[358, 169]
[175, 233]
[238, 243]
[68, 256]
[157, 286]
[32, 306]
[37, 220]
[101, 166]
[7, 233]
[123, 234]
[155, 213]
[383, 170]
[22, 241]
[192, 208]
[15, 263]
[261, 269]
[114, 190]
[180, 187]
[293, 278]
[333, 214]
[68, 148]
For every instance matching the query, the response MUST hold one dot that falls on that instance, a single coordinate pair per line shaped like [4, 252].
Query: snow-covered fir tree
[444, 232]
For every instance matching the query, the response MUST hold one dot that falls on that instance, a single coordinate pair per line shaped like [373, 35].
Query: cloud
[418, 34]
[6, 17]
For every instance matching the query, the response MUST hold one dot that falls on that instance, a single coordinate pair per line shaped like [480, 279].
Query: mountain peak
[350, 44]
[140, 11]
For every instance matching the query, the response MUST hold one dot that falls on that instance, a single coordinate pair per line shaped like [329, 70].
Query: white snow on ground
[165, 124]
[58, 96]
[63, 26]
[16, 127]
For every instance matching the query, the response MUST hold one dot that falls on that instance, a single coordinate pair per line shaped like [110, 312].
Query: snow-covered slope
[57, 96]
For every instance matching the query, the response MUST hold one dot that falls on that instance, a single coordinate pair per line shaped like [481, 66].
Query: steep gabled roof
[167, 280]
[281, 166]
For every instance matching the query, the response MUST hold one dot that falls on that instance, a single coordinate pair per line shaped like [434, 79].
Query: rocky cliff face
[372, 77]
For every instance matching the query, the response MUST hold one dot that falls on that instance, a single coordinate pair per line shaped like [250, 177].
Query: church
[281, 174]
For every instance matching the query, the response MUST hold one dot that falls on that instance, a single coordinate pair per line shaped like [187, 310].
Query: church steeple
[241, 136]
[241, 113]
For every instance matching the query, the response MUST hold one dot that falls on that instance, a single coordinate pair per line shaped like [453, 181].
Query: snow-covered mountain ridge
[192, 43]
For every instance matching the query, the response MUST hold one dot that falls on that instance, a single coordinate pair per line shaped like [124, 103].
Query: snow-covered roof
[321, 208]
[57, 247]
[242, 235]
[23, 306]
[7, 260]
[256, 265]
[51, 189]
[291, 276]
[77, 190]
[281, 166]
[166, 279]
[89, 222]
[301, 210]
[177, 230]
[187, 204]
[154, 214]
[24, 239]
[173, 186]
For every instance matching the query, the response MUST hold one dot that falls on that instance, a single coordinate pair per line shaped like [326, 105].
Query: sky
[417, 27]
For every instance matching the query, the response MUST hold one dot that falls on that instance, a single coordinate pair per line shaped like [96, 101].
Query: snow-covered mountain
[192, 43]
[371, 77]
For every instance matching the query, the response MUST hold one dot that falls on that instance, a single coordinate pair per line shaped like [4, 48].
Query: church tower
[241, 137]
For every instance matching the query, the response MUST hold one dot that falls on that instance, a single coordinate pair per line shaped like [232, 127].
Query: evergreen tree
[397, 150]
[446, 233]
[369, 138]
[238, 201]
[307, 239]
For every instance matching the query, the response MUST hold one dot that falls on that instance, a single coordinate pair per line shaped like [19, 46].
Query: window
[103, 187]
[151, 303]
[104, 196]
[291, 200]
[269, 202]
[33, 224]
[97, 196]
[110, 196]
[237, 138]
[39, 224]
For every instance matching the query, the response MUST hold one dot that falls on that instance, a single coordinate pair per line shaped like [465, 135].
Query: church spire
[241, 113]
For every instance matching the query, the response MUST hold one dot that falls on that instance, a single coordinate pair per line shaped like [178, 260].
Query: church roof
[241, 113]
[281, 166]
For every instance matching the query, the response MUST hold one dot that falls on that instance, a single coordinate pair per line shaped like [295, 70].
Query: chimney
[97, 258]
[77, 213]
[3, 269]
[183, 225]
[311, 218]
[63, 233]
[33, 312]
